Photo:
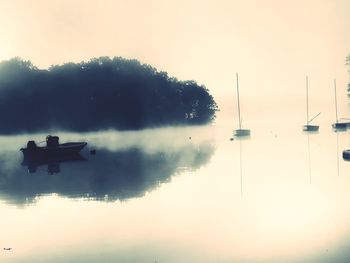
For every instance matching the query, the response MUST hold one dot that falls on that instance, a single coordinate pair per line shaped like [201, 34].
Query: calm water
[180, 195]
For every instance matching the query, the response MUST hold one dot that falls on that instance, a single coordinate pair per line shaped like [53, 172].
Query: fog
[126, 164]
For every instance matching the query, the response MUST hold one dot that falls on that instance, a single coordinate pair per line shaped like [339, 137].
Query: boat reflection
[52, 163]
[108, 175]
[309, 156]
[309, 132]
[240, 166]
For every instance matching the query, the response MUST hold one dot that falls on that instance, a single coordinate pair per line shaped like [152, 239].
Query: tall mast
[335, 98]
[239, 107]
[307, 101]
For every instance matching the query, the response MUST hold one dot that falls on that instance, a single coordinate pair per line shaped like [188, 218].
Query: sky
[273, 44]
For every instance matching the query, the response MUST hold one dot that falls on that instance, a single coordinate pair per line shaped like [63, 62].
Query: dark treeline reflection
[108, 175]
[100, 94]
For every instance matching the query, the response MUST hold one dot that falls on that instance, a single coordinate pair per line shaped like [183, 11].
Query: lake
[180, 195]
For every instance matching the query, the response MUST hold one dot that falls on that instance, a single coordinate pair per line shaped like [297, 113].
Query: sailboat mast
[239, 107]
[335, 99]
[307, 100]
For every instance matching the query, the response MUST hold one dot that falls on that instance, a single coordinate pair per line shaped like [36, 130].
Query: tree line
[103, 93]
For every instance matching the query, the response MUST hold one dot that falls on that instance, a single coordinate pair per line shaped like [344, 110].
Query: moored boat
[52, 149]
[240, 132]
[338, 125]
[346, 155]
[309, 127]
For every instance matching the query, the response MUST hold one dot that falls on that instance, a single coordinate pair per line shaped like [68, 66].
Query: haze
[272, 44]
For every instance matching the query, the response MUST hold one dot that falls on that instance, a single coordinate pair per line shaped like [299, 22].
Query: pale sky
[273, 44]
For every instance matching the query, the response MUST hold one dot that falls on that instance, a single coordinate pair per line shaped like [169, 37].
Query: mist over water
[176, 194]
[127, 165]
[184, 194]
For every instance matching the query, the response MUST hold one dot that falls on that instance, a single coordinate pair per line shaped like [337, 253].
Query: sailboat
[309, 127]
[338, 125]
[240, 132]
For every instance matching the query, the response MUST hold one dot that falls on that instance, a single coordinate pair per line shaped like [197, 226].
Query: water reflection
[337, 154]
[52, 163]
[240, 166]
[241, 160]
[200, 216]
[309, 138]
[309, 156]
[109, 175]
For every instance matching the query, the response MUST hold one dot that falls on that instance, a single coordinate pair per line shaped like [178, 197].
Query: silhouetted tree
[99, 94]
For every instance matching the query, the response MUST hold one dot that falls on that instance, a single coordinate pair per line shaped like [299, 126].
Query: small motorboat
[53, 149]
[346, 155]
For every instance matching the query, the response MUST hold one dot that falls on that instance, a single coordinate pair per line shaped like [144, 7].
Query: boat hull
[311, 128]
[241, 132]
[62, 150]
[341, 125]
[346, 155]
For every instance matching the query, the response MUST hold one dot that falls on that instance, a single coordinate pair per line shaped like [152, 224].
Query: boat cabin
[52, 141]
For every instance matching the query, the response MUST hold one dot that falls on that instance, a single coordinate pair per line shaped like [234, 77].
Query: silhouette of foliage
[99, 94]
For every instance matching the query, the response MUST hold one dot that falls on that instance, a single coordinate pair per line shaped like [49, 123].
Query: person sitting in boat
[31, 145]
[52, 141]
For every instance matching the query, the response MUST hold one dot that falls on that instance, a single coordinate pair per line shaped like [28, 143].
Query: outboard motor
[52, 141]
